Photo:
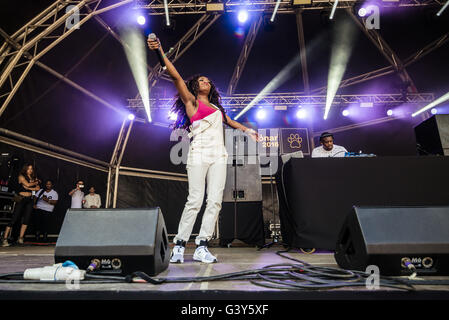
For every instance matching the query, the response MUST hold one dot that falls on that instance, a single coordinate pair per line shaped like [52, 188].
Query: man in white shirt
[328, 148]
[46, 200]
[92, 200]
[77, 195]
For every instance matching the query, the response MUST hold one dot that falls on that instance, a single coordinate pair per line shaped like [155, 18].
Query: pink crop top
[202, 112]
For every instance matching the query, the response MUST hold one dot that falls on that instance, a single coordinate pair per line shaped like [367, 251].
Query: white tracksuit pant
[206, 164]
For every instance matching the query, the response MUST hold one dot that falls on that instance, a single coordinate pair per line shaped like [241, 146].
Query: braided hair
[178, 108]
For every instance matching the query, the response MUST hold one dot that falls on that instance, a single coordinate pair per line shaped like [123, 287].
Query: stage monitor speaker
[389, 236]
[122, 240]
[432, 135]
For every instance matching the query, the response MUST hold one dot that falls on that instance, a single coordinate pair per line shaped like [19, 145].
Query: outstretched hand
[253, 134]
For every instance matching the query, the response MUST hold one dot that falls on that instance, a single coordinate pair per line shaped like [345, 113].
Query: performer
[24, 206]
[198, 109]
[328, 148]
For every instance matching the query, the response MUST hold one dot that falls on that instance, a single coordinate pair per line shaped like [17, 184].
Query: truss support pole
[302, 51]
[244, 54]
[114, 165]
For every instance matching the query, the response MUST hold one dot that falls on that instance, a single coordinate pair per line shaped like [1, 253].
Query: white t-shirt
[44, 205]
[92, 200]
[77, 199]
[336, 152]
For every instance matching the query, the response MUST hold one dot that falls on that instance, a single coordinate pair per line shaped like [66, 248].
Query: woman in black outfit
[27, 184]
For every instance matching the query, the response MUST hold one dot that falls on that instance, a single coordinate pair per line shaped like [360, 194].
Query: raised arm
[186, 96]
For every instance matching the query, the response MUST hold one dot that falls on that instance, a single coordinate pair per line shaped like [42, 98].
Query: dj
[328, 148]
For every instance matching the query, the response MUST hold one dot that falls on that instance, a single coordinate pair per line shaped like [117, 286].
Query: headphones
[325, 135]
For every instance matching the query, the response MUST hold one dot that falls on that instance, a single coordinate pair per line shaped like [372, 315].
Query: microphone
[152, 36]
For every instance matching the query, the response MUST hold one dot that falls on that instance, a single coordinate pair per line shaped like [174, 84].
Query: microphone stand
[275, 232]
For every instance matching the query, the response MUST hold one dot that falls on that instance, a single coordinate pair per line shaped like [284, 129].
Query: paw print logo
[295, 141]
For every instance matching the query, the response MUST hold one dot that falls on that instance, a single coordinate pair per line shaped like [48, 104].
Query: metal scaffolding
[175, 7]
[23, 49]
[240, 101]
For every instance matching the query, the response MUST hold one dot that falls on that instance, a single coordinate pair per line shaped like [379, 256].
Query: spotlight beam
[167, 18]
[276, 10]
[334, 7]
[432, 104]
[277, 81]
[443, 8]
[136, 56]
[341, 51]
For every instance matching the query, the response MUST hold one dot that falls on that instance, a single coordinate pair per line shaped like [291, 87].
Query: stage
[233, 259]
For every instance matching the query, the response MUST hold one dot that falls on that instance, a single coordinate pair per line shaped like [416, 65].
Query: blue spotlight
[261, 114]
[345, 113]
[389, 112]
[141, 20]
[434, 111]
[131, 116]
[242, 16]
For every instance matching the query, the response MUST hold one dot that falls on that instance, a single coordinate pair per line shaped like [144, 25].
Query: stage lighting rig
[301, 3]
[215, 7]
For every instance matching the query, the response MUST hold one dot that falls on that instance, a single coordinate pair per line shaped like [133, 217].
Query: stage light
[362, 12]
[443, 8]
[434, 111]
[341, 51]
[278, 2]
[334, 7]
[215, 7]
[301, 2]
[131, 116]
[136, 54]
[441, 99]
[242, 16]
[261, 114]
[173, 116]
[141, 20]
[301, 114]
[389, 112]
[275, 83]
[345, 113]
[167, 18]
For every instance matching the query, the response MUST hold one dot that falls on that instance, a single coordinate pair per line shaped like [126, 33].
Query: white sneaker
[5, 243]
[177, 254]
[202, 254]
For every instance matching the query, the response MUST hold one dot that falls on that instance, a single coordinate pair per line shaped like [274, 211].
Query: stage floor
[17, 259]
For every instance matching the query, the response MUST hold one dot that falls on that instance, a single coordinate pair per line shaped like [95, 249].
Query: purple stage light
[261, 114]
[141, 20]
[242, 16]
[345, 113]
[301, 114]
[389, 112]
[362, 12]
[434, 111]
[131, 116]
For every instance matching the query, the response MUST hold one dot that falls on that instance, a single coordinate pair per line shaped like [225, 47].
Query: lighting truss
[293, 100]
[156, 7]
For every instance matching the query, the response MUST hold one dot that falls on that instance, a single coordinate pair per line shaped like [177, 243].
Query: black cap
[325, 135]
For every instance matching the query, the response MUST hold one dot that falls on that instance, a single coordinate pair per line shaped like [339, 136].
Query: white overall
[206, 163]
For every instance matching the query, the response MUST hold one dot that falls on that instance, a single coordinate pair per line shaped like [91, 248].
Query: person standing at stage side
[46, 200]
[328, 148]
[92, 200]
[198, 109]
[77, 195]
[28, 185]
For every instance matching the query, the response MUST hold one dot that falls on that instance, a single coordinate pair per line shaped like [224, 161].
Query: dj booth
[315, 195]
